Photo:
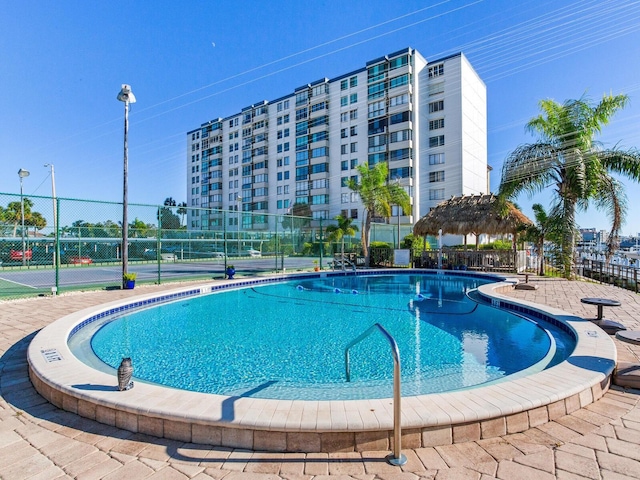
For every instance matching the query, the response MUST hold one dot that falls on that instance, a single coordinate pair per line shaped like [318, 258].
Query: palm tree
[377, 196]
[344, 228]
[568, 158]
[182, 211]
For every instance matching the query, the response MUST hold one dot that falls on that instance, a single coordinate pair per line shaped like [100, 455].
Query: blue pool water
[287, 340]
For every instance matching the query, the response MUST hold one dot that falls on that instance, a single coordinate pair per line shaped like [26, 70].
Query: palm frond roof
[475, 214]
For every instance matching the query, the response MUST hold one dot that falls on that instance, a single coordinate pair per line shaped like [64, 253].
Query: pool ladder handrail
[396, 458]
[342, 263]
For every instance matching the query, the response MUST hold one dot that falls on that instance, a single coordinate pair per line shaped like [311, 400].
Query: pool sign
[51, 355]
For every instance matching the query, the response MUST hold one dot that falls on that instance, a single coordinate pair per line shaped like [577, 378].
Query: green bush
[380, 245]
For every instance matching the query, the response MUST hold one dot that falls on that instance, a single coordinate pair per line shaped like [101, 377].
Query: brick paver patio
[39, 441]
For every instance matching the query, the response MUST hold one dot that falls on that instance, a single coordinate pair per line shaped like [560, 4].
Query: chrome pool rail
[395, 458]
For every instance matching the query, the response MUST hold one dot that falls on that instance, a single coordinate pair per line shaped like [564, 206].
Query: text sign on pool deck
[51, 355]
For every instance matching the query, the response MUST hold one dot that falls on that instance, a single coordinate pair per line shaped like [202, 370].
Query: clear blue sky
[63, 63]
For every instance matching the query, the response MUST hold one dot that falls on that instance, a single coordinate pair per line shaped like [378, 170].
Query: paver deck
[38, 440]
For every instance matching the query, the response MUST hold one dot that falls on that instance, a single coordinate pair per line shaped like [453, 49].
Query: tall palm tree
[568, 158]
[344, 228]
[377, 195]
[182, 211]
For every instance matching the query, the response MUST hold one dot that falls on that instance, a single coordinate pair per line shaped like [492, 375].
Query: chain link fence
[51, 245]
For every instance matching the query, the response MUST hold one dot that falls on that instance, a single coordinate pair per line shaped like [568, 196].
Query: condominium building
[426, 119]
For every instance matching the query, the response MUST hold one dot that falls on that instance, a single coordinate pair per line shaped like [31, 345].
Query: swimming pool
[494, 408]
[287, 340]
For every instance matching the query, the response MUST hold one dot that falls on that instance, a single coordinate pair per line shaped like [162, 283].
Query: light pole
[126, 96]
[55, 213]
[22, 173]
[239, 200]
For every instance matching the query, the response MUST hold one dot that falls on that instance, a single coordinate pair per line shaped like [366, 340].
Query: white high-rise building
[427, 119]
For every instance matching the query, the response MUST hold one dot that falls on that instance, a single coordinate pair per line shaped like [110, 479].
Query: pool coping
[325, 425]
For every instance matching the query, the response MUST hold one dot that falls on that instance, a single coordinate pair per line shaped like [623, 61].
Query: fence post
[321, 244]
[224, 236]
[56, 251]
[159, 244]
[277, 243]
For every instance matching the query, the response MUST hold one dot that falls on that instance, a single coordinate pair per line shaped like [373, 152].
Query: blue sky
[188, 62]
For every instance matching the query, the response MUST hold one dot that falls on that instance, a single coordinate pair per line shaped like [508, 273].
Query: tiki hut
[476, 214]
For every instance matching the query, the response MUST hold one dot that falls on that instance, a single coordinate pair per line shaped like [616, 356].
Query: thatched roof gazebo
[476, 214]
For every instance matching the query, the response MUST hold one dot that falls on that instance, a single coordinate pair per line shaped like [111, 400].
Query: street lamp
[126, 96]
[22, 173]
[55, 213]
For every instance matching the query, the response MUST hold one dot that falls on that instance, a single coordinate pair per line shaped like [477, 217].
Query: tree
[13, 213]
[344, 228]
[579, 168]
[377, 196]
[169, 220]
[539, 232]
[35, 220]
[182, 211]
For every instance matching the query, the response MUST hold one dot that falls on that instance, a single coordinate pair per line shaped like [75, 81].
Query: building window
[377, 109]
[436, 70]
[353, 81]
[436, 124]
[436, 88]
[437, 141]
[344, 101]
[320, 90]
[399, 81]
[400, 136]
[343, 133]
[343, 150]
[344, 84]
[436, 176]
[401, 154]
[400, 117]
[344, 117]
[354, 147]
[354, 130]
[302, 97]
[397, 173]
[344, 165]
[301, 114]
[318, 106]
[377, 143]
[354, 163]
[344, 181]
[436, 194]
[353, 114]
[353, 98]
[344, 198]
[399, 100]
[436, 106]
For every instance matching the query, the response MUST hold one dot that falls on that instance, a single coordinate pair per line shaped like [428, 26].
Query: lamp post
[22, 173]
[55, 213]
[126, 96]
[239, 200]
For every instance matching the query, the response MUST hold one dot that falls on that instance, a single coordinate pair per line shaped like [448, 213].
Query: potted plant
[315, 266]
[129, 280]
[230, 271]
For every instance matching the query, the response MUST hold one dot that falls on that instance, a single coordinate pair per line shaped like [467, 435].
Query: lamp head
[22, 173]
[126, 95]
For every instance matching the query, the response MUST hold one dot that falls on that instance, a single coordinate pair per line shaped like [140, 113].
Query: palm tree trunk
[366, 227]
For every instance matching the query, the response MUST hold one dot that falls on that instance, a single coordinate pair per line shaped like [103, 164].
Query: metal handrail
[396, 458]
